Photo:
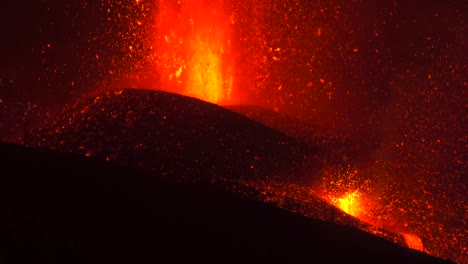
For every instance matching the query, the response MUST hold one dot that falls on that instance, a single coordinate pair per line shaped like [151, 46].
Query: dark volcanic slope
[281, 122]
[170, 133]
[60, 208]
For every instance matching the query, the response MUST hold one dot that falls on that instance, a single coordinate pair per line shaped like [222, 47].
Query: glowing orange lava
[349, 203]
[352, 204]
[194, 49]
[413, 241]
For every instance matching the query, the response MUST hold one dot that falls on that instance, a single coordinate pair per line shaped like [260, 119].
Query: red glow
[353, 204]
[300, 58]
[346, 191]
[193, 49]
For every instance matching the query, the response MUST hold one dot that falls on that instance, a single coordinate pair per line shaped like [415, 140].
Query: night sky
[388, 75]
[342, 63]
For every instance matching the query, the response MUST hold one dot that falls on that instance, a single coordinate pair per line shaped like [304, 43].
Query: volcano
[138, 175]
[68, 208]
[171, 133]
[347, 113]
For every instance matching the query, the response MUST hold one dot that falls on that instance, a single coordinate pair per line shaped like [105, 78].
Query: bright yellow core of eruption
[194, 49]
[205, 78]
[349, 203]
[352, 204]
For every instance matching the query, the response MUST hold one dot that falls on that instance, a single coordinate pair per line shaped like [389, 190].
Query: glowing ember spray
[393, 110]
[194, 49]
[349, 203]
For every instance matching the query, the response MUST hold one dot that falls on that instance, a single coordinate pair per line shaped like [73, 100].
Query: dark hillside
[167, 132]
[64, 208]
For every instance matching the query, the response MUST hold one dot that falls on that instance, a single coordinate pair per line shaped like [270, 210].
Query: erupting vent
[193, 44]
[349, 203]
[376, 87]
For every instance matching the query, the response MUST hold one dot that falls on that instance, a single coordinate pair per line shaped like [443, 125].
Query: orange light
[350, 203]
[205, 79]
[413, 241]
[194, 49]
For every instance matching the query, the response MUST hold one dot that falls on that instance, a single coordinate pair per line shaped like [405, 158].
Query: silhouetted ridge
[66, 208]
[167, 132]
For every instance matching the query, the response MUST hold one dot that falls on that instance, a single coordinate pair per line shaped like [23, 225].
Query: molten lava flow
[413, 241]
[363, 205]
[194, 49]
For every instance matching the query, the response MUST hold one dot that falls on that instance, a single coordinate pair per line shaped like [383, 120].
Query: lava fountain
[352, 204]
[322, 64]
[351, 194]
[349, 203]
[193, 45]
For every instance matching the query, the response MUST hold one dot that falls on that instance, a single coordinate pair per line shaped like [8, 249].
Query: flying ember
[194, 49]
[373, 89]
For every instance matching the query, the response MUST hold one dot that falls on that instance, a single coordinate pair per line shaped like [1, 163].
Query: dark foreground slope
[62, 208]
